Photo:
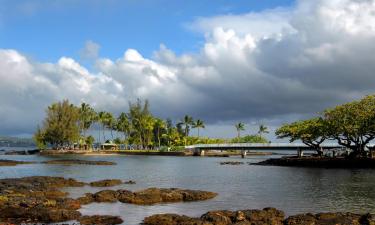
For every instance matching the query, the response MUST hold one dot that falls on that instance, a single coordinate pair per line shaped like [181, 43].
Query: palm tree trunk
[159, 137]
[103, 133]
[198, 133]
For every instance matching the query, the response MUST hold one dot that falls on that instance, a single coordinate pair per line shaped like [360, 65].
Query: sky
[223, 61]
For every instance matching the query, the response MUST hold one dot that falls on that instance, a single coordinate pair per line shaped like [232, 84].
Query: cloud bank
[271, 66]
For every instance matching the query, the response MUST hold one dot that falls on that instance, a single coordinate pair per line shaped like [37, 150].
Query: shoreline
[147, 153]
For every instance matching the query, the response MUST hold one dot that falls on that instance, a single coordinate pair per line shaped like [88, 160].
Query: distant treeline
[66, 125]
[16, 142]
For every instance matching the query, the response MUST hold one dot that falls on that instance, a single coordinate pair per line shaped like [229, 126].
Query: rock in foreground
[37, 199]
[100, 220]
[106, 183]
[4, 162]
[79, 162]
[267, 216]
[233, 163]
[148, 196]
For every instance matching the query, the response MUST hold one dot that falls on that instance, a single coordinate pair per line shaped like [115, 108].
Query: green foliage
[90, 141]
[39, 139]
[352, 124]
[239, 127]
[312, 132]
[198, 124]
[250, 139]
[60, 127]
[87, 117]
[117, 141]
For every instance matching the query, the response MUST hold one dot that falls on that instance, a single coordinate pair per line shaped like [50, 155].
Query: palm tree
[198, 124]
[262, 130]
[87, 117]
[102, 121]
[187, 121]
[239, 127]
[159, 125]
[109, 122]
[123, 125]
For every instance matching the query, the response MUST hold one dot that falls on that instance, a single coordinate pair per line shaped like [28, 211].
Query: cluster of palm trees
[262, 129]
[138, 126]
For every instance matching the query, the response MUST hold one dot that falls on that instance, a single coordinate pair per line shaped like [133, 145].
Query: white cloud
[271, 66]
[90, 50]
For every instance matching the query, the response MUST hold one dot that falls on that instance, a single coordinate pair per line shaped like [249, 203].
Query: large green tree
[312, 132]
[352, 124]
[61, 126]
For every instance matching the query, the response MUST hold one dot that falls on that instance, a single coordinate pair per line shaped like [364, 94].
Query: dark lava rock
[37, 199]
[79, 162]
[105, 196]
[172, 219]
[148, 196]
[100, 220]
[4, 162]
[231, 163]
[325, 219]
[267, 216]
[106, 183]
[158, 195]
[25, 152]
[130, 182]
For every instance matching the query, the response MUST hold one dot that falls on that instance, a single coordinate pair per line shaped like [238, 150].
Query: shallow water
[293, 190]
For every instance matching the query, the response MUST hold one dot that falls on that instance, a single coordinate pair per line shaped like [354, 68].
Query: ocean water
[293, 190]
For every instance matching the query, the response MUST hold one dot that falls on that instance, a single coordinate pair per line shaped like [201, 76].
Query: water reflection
[294, 190]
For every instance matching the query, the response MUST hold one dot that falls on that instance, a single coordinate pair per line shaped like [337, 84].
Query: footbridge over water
[200, 149]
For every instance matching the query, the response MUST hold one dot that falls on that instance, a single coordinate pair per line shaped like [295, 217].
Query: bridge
[200, 149]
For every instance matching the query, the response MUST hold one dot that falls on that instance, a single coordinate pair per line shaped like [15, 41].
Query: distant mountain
[16, 142]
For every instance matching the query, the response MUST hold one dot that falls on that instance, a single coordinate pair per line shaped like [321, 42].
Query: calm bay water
[293, 190]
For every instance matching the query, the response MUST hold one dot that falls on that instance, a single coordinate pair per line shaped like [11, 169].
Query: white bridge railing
[258, 145]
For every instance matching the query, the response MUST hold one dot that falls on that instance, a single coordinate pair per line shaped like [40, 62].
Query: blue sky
[225, 61]
[48, 29]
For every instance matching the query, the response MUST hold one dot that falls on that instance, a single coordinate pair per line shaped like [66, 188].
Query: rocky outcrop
[148, 196]
[100, 220]
[37, 199]
[233, 163]
[267, 216]
[130, 182]
[4, 162]
[79, 162]
[106, 183]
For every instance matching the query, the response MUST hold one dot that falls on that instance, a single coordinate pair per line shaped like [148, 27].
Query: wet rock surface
[130, 182]
[37, 199]
[106, 183]
[267, 216]
[100, 220]
[148, 196]
[233, 163]
[79, 162]
[4, 162]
